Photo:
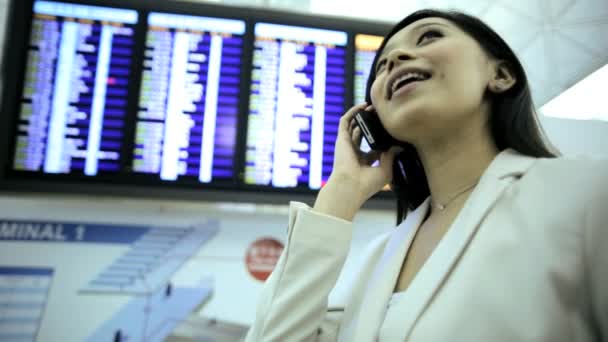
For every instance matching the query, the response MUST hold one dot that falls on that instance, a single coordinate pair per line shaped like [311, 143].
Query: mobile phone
[409, 179]
[374, 133]
[379, 139]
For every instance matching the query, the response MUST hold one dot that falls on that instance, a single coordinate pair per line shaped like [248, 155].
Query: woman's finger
[346, 119]
[351, 125]
[356, 137]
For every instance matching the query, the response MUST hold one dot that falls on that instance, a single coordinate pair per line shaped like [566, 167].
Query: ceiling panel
[592, 38]
[525, 8]
[504, 18]
[585, 11]
[556, 8]
[571, 61]
[473, 7]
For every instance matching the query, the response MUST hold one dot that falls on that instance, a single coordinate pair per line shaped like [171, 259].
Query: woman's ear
[503, 78]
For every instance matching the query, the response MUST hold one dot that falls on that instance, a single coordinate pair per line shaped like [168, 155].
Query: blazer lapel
[368, 314]
[495, 180]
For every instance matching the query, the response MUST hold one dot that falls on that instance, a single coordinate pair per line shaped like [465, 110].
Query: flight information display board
[189, 98]
[365, 51]
[73, 108]
[297, 98]
[161, 99]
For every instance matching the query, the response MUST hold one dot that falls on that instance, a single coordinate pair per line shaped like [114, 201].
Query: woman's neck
[455, 164]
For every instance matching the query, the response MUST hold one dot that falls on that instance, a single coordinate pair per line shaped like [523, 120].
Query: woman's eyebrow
[416, 28]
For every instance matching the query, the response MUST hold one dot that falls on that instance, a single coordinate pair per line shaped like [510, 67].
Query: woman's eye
[429, 35]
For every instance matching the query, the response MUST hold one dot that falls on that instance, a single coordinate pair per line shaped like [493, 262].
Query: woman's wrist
[339, 198]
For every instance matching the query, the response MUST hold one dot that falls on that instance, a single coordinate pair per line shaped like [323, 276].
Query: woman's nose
[396, 57]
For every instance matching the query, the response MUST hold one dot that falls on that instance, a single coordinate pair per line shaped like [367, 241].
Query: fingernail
[368, 108]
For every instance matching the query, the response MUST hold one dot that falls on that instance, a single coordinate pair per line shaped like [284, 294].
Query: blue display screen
[189, 99]
[73, 108]
[297, 98]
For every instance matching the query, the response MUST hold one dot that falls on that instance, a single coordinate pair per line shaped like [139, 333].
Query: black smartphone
[374, 133]
[409, 180]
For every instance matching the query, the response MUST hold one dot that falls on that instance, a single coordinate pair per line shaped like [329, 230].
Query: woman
[503, 241]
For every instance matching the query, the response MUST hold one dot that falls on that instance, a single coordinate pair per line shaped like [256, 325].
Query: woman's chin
[406, 123]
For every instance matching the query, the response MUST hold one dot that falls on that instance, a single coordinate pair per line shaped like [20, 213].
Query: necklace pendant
[440, 206]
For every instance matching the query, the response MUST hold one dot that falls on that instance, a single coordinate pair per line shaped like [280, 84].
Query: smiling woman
[502, 240]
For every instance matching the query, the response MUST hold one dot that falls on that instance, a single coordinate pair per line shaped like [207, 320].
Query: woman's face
[430, 81]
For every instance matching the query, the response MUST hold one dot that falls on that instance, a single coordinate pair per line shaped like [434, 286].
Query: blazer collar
[507, 166]
[366, 315]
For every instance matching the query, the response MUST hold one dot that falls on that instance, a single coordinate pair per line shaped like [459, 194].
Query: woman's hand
[353, 179]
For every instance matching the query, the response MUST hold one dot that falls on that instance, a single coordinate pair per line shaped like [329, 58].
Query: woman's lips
[406, 89]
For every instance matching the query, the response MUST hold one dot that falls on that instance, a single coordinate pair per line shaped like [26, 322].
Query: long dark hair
[513, 119]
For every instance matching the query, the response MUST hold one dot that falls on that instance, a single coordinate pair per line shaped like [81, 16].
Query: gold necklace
[442, 206]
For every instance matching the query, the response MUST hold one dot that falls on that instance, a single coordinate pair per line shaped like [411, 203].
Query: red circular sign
[262, 255]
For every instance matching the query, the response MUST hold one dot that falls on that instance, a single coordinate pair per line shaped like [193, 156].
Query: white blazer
[526, 259]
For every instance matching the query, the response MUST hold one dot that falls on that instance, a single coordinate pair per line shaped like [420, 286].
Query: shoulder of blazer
[572, 170]
[578, 183]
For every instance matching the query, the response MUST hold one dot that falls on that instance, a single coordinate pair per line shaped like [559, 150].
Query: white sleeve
[293, 302]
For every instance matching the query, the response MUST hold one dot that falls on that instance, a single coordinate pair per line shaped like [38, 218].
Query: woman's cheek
[375, 93]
